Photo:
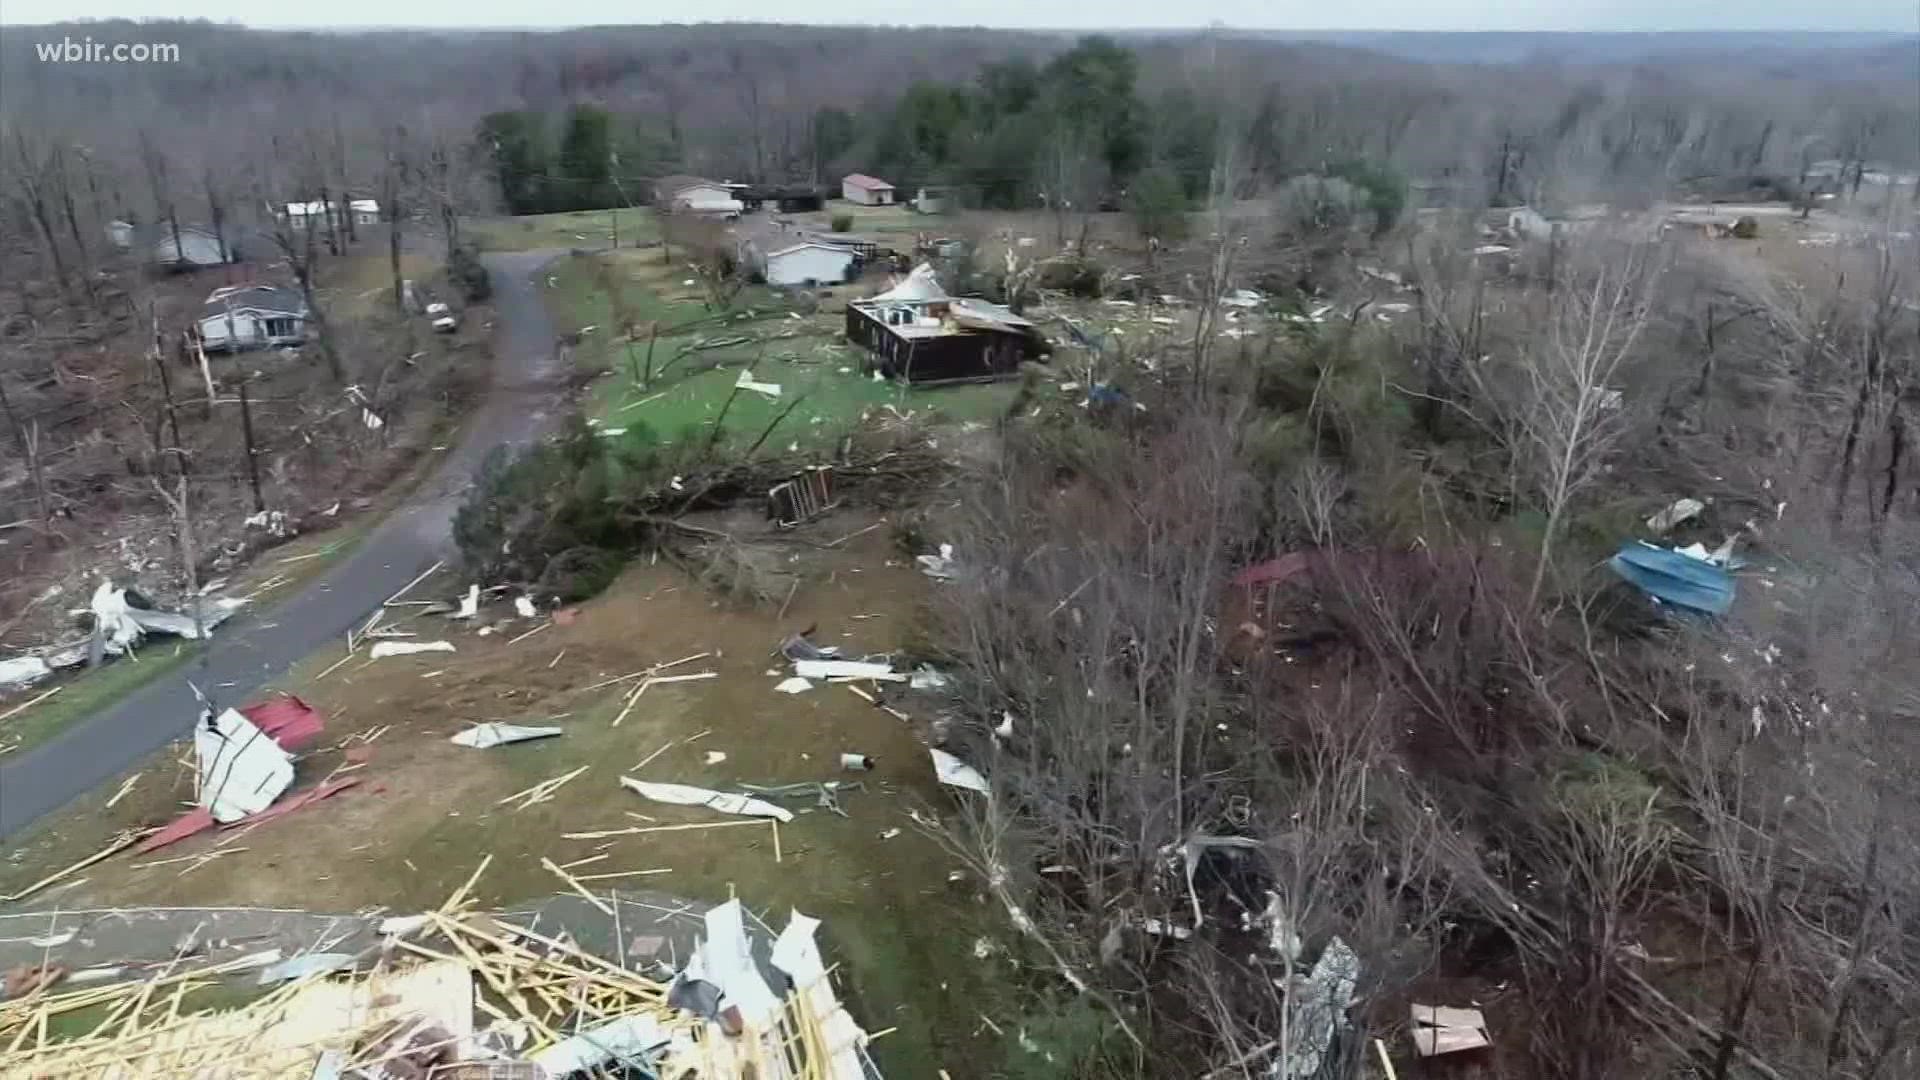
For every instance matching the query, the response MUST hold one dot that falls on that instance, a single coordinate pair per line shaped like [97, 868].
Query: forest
[1007, 115]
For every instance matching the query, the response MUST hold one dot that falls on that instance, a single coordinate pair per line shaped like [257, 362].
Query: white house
[365, 212]
[866, 190]
[695, 195]
[195, 247]
[807, 263]
[252, 317]
[783, 256]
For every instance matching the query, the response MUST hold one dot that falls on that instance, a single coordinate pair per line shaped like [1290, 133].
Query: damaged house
[252, 317]
[917, 332]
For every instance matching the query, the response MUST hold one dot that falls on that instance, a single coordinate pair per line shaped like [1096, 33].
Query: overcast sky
[1898, 15]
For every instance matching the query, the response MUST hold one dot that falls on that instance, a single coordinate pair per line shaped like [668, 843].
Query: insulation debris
[491, 734]
[688, 795]
[953, 772]
[846, 669]
[383, 649]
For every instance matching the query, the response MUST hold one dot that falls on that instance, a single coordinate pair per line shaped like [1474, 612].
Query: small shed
[252, 317]
[933, 200]
[866, 190]
[193, 246]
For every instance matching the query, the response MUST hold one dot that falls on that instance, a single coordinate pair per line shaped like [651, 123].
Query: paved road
[255, 649]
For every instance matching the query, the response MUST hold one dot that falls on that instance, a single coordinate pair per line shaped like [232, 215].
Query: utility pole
[253, 460]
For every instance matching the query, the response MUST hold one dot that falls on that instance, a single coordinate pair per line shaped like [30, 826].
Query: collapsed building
[915, 331]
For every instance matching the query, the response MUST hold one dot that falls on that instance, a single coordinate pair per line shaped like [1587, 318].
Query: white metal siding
[804, 264]
[202, 250]
[702, 193]
[250, 331]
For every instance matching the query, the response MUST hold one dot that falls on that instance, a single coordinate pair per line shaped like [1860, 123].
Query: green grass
[802, 354]
[577, 228]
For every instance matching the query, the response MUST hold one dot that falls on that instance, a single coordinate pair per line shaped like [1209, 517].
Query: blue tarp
[1678, 580]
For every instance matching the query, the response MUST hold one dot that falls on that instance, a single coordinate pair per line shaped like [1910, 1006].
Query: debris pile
[121, 619]
[455, 992]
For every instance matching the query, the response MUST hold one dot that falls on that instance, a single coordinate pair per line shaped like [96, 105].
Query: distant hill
[1515, 47]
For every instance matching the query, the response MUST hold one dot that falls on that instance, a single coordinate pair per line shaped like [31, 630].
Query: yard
[920, 949]
[572, 229]
[698, 357]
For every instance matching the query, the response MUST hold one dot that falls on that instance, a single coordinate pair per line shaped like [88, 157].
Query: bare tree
[1555, 399]
[296, 237]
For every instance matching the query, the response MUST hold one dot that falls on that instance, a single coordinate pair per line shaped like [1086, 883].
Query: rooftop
[272, 298]
[867, 183]
[305, 209]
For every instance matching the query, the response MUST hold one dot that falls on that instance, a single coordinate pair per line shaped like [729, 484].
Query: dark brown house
[917, 332]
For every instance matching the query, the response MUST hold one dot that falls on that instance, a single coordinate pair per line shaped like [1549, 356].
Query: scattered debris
[287, 720]
[383, 649]
[1681, 510]
[953, 772]
[794, 685]
[542, 791]
[801, 647]
[715, 757]
[1317, 1011]
[825, 793]
[273, 521]
[469, 604]
[926, 678]
[688, 795]
[27, 979]
[628, 1038]
[23, 671]
[125, 787]
[242, 770]
[745, 382]
[492, 733]
[30, 703]
[523, 607]
[940, 567]
[114, 847]
[856, 762]
[846, 669]
[304, 966]
[802, 497]
[1674, 578]
[1438, 1029]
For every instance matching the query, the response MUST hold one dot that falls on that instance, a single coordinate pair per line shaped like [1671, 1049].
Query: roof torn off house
[915, 331]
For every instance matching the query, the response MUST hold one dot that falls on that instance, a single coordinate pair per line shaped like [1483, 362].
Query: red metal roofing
[286, 720]
[868, 183]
